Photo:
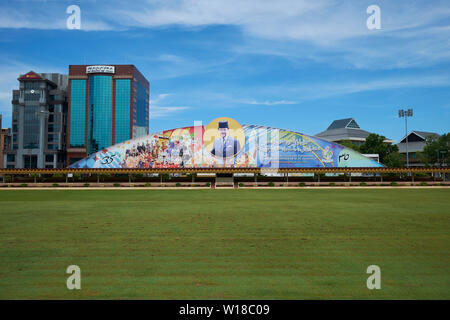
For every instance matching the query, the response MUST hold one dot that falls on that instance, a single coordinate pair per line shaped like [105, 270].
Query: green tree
[394, 160]
[437, 150]
[349, 144]
[375, 144]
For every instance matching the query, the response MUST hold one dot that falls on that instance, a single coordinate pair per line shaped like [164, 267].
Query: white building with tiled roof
[416, 144]
[346, 129]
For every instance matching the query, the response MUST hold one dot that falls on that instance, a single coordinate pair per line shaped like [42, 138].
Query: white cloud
[413, 34]
[160, 97]
[51, 15]
[321, 21]
[326, 90]
[157, 111]
[269, 103]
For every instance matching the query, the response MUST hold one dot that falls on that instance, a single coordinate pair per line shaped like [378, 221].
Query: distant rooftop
[344, 123]
[417, 136]
[345, 129]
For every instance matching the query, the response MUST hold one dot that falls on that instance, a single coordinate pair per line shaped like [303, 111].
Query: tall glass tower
[107, 105]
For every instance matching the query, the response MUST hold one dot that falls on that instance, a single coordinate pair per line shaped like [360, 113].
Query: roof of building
[344, 123]
[345, 129]
[421, 134]
[344, 134]
[417, 144]
[33, 76]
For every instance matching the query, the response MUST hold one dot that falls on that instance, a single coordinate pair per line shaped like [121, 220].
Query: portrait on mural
[225, 146]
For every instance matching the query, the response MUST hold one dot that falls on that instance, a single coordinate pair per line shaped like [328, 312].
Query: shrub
[240, 184]
[138, 176]
[24, 185]
[147, 184]
[332, 184]
[302, 184]
[394, 184]
[208, 184]
[177, 184]
[56, 185]
[423, 183]
[86, 184]
[271, 184]
[362, 184]
[103, 176]
[116, 184]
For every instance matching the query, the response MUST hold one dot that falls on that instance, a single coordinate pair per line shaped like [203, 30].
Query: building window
[61, 157]
[122, 117]
[32, 96]
[32, 85]
[53, 137]
[15, 116]
[100, 108]
[77, 113]
[49, 158]
[11, 158]
[30, 161]
[73, 160]
[31, 128]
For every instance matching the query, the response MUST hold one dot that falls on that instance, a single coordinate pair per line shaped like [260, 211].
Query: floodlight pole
[406, 131]
[405, 114]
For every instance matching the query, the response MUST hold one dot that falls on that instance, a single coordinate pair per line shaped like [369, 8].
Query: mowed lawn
[225, 244]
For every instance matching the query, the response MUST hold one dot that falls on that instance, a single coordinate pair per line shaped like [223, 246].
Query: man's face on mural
[223, 132]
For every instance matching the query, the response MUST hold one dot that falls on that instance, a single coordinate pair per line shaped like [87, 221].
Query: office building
[108, 104]
[5, 143]
[39, 111]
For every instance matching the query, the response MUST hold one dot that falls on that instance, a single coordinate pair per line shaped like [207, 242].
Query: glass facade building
[107, 105]
[100, 110]
[78, 113]
[122, 116]
[140, 112]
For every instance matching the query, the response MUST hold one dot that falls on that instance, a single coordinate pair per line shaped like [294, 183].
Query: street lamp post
[405, 114]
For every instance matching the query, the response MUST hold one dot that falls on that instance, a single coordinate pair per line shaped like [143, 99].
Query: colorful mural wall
[225, 143]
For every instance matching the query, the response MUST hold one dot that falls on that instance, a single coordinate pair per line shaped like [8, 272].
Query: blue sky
[293, 64]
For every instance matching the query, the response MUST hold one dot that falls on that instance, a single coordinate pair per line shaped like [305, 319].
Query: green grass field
[225, 244]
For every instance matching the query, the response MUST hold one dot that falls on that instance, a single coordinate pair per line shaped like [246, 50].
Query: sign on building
[100, 69]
